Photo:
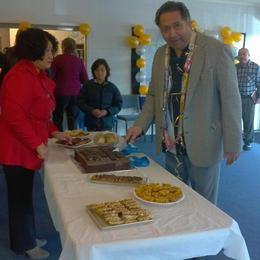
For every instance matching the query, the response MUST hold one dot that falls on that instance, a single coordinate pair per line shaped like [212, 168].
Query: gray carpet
[239, 196]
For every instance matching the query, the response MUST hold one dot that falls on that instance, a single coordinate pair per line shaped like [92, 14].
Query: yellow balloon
[132, 41]
[145, 39]
[228, 40]
[236, 61]
[225, 32]
[138, 30]
[194, 24]
[140, 63]
[236, 36]
[84, 29]
[24, 25]
[143, 90]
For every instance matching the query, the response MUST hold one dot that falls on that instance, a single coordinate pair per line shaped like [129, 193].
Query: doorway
[8, 32]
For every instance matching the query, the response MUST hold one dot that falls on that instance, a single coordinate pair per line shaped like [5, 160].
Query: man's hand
[169, 143]
[133, 133]
[42, 151]
[231, 157]
[257, 101]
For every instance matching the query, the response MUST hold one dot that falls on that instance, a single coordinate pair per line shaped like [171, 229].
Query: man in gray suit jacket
[196, 105]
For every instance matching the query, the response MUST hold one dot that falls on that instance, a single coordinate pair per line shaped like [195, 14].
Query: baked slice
[111, 178]
[75, 142]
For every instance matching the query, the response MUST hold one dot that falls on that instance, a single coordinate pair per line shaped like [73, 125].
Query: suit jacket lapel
[196, 67]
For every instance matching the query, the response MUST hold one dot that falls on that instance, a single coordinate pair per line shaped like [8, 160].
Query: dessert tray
[119, 213]
[123, 178]
[76, 143]
[82, 170]
[159, 194]
[77, 133]
[106, 138]
[101, 159]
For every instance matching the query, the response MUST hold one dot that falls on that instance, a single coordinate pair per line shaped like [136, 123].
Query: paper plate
[76, 146]
[158, 203]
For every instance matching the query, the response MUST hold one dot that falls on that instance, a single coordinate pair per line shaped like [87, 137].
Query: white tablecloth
[193, 227]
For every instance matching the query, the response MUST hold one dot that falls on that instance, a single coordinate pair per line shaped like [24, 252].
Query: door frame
[69, 28]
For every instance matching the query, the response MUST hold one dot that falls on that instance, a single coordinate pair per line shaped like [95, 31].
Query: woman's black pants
[20, 208]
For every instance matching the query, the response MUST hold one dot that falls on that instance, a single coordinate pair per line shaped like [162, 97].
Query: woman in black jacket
[99, 99]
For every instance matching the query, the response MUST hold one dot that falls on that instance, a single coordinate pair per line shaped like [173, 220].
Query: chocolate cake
[101, 159]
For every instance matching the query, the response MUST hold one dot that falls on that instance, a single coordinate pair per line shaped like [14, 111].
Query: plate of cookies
[162, 194]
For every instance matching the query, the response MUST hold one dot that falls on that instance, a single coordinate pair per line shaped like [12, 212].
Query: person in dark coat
[99, 99]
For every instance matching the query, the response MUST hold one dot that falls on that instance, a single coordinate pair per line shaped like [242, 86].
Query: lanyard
[184, 86]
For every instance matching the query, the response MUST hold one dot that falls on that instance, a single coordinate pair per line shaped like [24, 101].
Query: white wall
[59, 35]
[111, 22]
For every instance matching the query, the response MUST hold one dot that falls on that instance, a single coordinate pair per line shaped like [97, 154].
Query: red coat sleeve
[52, 128]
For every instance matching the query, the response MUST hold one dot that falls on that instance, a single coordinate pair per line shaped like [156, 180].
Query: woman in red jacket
[26, 105]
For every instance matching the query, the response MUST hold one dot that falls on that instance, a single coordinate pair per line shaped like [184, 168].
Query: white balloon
[234, 51]
[140, 50]
[140, 76]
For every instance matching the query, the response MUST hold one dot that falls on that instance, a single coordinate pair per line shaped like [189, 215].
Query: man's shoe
[247, 147]
[37, 253]
[40, 242]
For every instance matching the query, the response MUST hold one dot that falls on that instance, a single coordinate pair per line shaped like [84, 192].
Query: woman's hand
[99, 113]
[42, 151]
[103, 113]
[96, 113]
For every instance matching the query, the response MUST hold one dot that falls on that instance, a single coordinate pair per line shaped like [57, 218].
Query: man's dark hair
[96, 64]
[32, 44]
[172, 6]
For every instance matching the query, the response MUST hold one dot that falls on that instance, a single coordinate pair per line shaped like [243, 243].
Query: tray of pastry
[121, 213]
[105, 138]
[77, 133]
[118, 179]
[75, 143]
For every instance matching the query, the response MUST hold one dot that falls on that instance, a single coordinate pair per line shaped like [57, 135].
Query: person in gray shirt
[248, 74]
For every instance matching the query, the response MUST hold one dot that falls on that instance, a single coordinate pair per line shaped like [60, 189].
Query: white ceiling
[244, 2]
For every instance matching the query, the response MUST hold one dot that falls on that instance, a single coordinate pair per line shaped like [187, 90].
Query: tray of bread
[75, 143]
[119, 213]
[77, 133]
[106, 138]
[159, 193]
[118, 179]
